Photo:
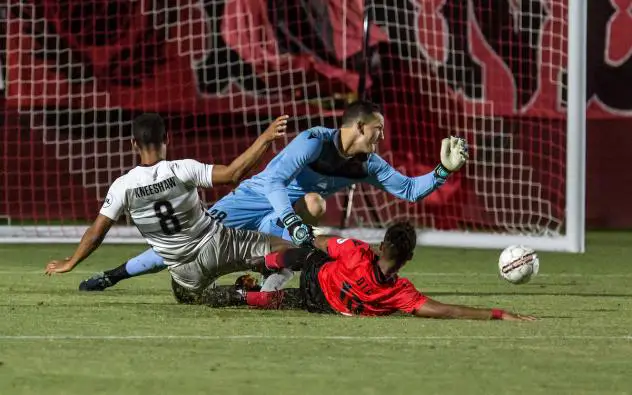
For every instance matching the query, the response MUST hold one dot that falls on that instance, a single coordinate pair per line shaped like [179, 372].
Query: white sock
[276, 281]
[316, 231]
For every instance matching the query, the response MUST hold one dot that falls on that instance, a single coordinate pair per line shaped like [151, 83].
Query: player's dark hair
[359, 110]
[399, 242]
[149, 130]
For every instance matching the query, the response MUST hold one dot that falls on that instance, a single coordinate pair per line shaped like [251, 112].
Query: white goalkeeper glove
[453, 156]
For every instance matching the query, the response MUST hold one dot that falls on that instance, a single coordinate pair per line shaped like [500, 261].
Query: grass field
[133, 339]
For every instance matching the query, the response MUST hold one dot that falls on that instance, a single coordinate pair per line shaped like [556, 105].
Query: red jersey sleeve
[407, 298]
[338, 247]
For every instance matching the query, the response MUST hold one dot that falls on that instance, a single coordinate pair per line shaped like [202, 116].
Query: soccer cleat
[223, 296]
[183, 295]
[98, 282]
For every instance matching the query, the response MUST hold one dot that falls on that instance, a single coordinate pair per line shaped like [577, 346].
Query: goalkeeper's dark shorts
[312, 294]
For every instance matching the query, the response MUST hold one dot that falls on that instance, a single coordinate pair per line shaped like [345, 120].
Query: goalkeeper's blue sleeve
[303, 150]
[385, 177]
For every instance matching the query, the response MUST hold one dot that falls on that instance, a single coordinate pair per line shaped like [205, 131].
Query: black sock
[117, 274]
[293, 258]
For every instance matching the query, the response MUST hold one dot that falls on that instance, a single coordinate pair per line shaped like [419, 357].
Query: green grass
[133, 339]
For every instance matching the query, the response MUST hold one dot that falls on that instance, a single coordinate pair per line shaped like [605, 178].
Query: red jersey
[354, 284]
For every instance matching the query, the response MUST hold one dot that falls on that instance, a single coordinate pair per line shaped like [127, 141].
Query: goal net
[492, 71]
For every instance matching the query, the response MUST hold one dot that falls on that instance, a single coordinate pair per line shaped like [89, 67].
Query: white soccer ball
[518, 264]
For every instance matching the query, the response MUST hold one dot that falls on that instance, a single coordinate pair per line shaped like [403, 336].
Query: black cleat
[223, 296]
[98, 282]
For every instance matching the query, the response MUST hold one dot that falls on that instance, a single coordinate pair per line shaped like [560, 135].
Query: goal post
[509, 76]
[576, 128]
[574, 238]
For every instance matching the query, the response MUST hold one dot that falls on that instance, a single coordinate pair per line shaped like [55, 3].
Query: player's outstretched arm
[382, 175]
[433, 309]
[91, 240]
[238, 168]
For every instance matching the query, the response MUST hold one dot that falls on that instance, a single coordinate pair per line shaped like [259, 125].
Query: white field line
[307, 337]
[427, 274]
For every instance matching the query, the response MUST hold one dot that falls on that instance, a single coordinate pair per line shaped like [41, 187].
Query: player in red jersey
[351, 279]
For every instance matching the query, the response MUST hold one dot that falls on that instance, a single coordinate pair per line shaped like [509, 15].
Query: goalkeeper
[288, 197]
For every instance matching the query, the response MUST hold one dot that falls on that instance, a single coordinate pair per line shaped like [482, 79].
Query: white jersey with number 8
[163, 202]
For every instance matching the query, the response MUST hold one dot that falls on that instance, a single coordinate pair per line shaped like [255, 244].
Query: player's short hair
[149, 130]
[399, 242]
[359, 110]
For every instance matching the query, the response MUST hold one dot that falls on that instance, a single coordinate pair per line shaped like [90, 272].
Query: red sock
[264, 300]
[274, 261]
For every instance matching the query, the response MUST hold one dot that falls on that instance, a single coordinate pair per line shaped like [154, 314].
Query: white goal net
[497, 72]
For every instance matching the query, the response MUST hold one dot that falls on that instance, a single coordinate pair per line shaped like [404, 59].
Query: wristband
[290, 219]
[497, 314]
[441, 172]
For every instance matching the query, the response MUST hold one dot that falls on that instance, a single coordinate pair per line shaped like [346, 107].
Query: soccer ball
[518, 264]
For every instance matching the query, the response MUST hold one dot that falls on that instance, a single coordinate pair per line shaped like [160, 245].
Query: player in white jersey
[162, 200]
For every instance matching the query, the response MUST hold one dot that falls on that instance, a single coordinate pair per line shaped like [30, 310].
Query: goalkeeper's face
[370, 134]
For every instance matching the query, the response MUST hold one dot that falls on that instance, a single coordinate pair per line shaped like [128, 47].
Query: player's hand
[516, 317]
[59, 266]
[453, 153]
[302, 234]
[276, 129]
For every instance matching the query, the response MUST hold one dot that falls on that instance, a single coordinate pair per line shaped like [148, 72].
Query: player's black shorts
[314, 299]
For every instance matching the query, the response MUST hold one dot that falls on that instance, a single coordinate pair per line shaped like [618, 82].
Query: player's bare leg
[311, 208]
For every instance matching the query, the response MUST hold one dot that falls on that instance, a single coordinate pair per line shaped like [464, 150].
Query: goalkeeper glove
[453, 156]
[302, 234]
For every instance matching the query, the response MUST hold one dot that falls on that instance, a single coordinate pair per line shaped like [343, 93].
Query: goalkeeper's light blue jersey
[312, 162]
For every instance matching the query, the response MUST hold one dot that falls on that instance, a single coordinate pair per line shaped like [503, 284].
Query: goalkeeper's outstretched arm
[382, 175]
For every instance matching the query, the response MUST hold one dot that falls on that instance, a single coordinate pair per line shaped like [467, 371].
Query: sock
[274, 261]
[264, 300]
[293, 258]
[276, 281]
[117, 274]
[147, 262]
